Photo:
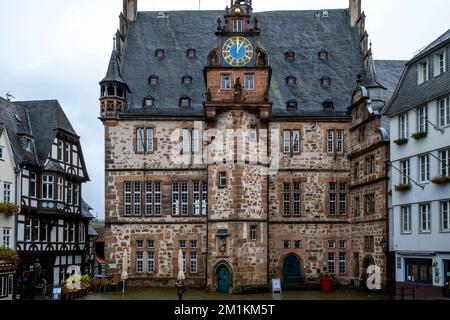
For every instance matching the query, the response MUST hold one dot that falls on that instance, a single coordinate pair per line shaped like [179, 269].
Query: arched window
[291, 80]
[153, 80]
[160, 53]
[185, 102]
[111, 90]
[290, 55]
[328, 105]
[292, 105]
[326, 82]
[191, 53]
[149, 102]
[187, 80]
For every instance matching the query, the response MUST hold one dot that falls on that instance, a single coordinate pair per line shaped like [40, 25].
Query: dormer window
[323, 55]
[422, 71]
[326, 82]
[185, 102]
[160, 53]
[440, 62]
[187, 80]
[28, 144]
[328, 105]
[237, 25]
[191, 53]
[149, 102]
[290, 55]
[325, 14]
[291, 80]
[292, 105]
[153, 80]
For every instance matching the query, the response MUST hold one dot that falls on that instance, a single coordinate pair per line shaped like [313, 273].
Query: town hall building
[251, 141]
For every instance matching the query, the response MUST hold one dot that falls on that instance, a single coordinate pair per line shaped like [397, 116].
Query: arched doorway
[367, 262]
[291, 271]
[223, 279]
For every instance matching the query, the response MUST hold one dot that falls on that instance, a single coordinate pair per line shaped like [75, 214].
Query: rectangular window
[196, 198]
[148, 198]
[422, 71]
[343, 199]
[342, 244]
[225, 82]
[76, 194]
[342, 263]
[287, 199]
[184, 261]
[182, 244]
[357, 208]
[127, 198]
[444, 157]
[340, 141]
[330, 141]
[150, 244]
[186, 141]
[60, 189]
[4, 286]
[47, 187]
[331, 244]
[331, 262]
[175, 199]
[405, 172]
[195, 141]
[7, 192]
[253, 230]
[286, 244]
[137, 199]
[28, 229]
[6, 237]
[69, 192]
[298, 244]
[425, 217]
[158, 198]
[406, 219]
[66, 152]
[296, 141]
[250, 82]
[81, 232]
[139, 244]
[444, 112]
[445, 216]
[204, 198]
[297, 199]
[424, 168]
[356, 171]
[150, 261]
[440, 63]
[139, 262]
[36, 229]
[422, 119]
[193, 262]
[404, 131]
[222, 180]
[1, 152]
[149, 138]
[33, 184]
[332, 198]
[140, 140]
[193, 244]
[237, 25]
[370, 204]
[184, 199]
[369, 243]
[418, 271]
[287, 141]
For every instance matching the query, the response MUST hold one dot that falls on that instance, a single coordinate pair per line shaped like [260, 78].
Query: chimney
[130, 9]
[355, 11]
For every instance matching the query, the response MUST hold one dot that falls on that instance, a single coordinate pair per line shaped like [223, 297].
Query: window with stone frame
[139, 262]
[337, 198]
[150, 261]
[369, 244]
[286, 244]
[335, 141]
[291, 141]
[298, 244]
[357, 207]
[189, 198]
[253, 232]
[343, 199]
[331, 262]
[332, 198]
[222, 180]
[356, 171]
[145, 140]
[342, 263]
[292, 195]
[369, 204]
[225, 81]
[193, 262]
[137, 198]
[191, 141]
[152, 198]
[128, 191]
[249, 82]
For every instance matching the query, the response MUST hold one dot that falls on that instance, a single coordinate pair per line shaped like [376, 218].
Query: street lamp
[384, 245]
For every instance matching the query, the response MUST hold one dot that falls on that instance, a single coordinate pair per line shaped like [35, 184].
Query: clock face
[237, 51]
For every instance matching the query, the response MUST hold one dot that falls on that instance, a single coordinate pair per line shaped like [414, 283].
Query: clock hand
[238, 46]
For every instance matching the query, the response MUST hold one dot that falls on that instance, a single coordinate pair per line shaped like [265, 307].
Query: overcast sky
[59, 49]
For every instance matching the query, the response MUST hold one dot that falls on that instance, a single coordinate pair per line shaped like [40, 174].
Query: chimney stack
[355, 11]
[130, 9]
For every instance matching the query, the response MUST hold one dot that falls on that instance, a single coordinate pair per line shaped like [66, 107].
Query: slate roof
[86, 210]
[300, 31]
[113, 73]
[389, 73]
[409, 93]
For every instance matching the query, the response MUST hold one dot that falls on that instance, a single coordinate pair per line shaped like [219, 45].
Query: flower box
[419, 135]
[441, 180]
[401, 142]
[8, 255]
[403, 187]
[8, 209]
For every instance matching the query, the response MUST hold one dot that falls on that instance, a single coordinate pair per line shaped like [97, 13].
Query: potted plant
[441, 180]
[403, 187]
[401, 142]
[326, 282]
[419, 135]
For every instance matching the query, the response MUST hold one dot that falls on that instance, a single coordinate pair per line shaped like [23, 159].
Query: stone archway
[292, 270]
[366, 263]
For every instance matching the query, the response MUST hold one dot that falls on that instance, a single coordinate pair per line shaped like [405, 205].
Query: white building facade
[8, 187]
[420, 173]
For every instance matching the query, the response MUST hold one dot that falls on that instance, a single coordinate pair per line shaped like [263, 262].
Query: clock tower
[237, 112]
